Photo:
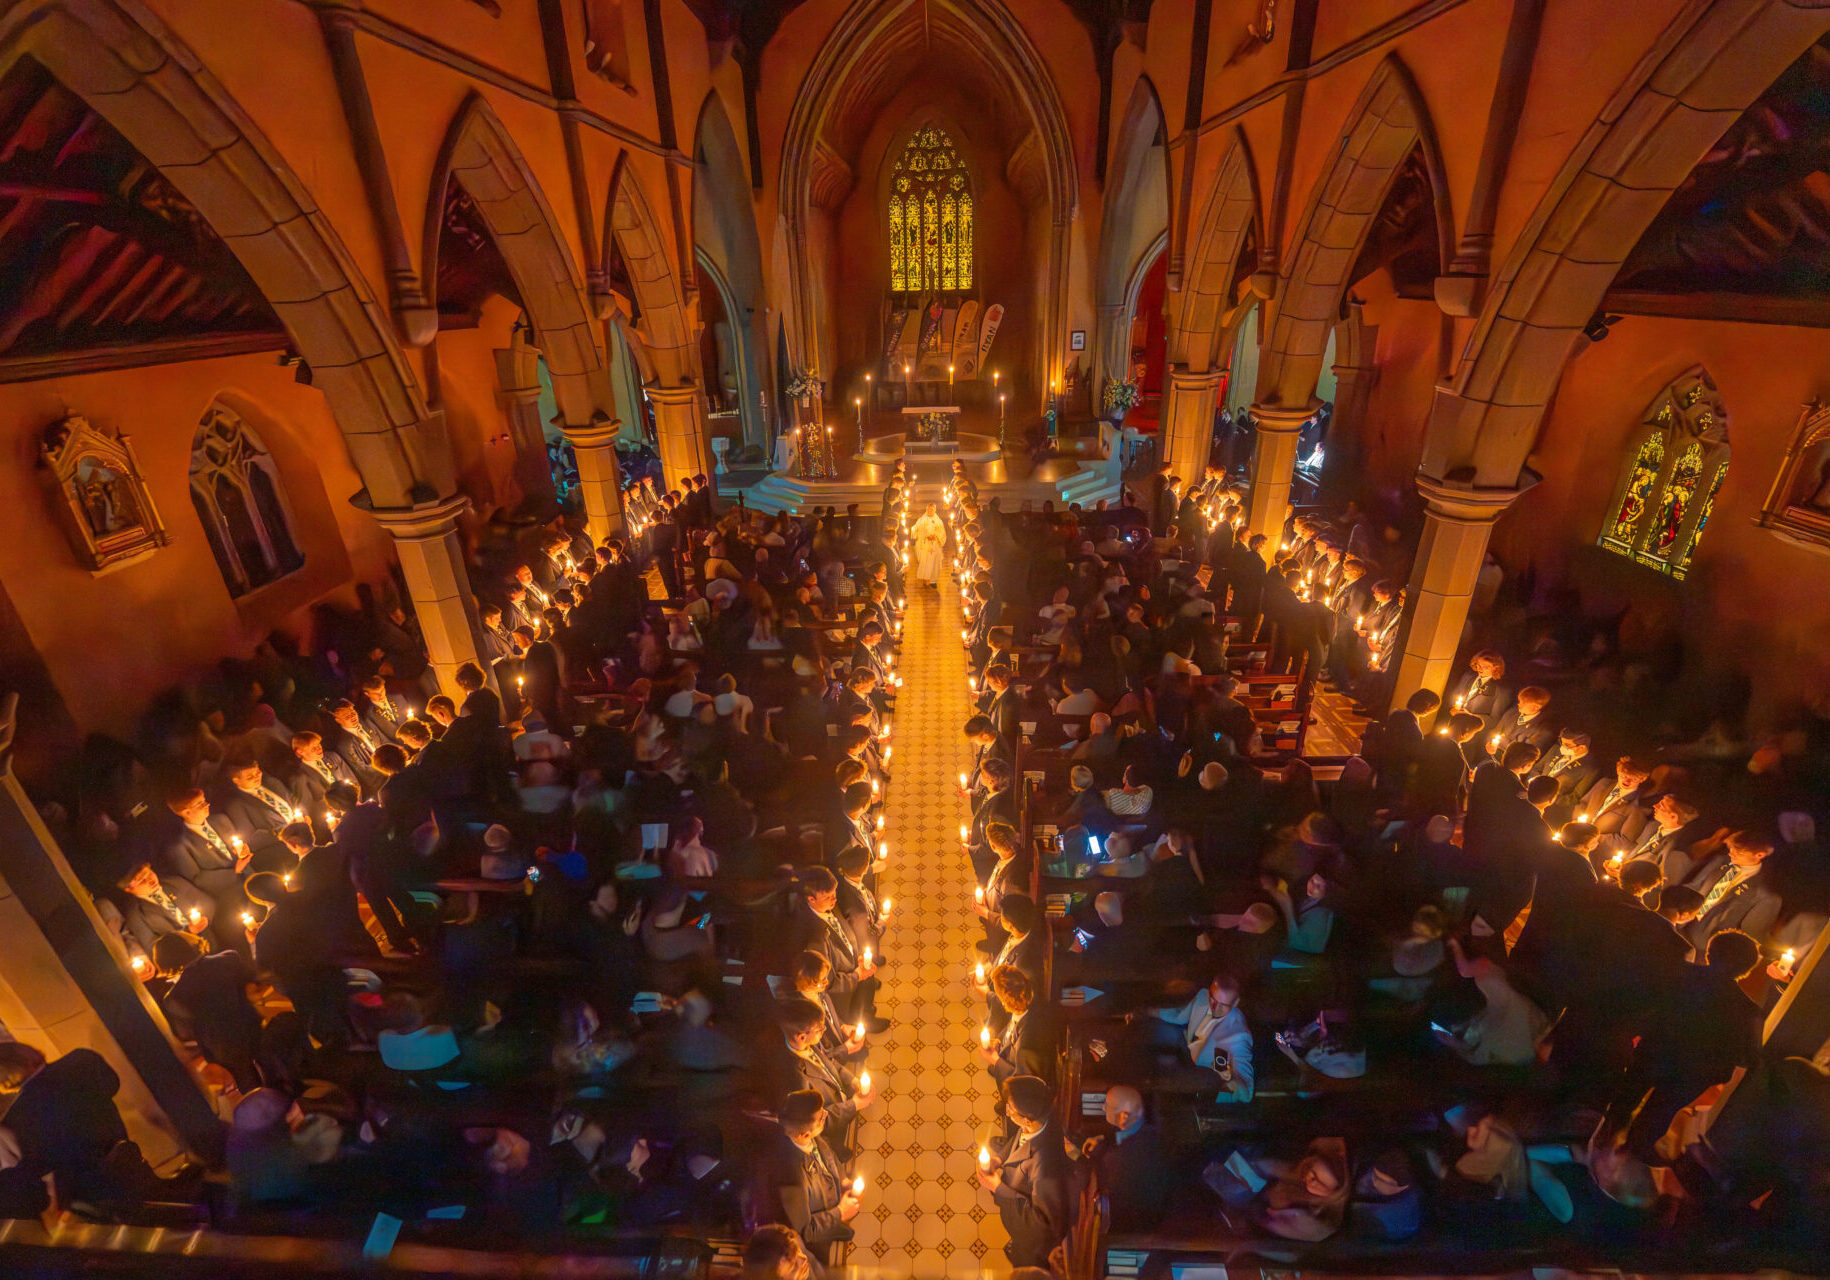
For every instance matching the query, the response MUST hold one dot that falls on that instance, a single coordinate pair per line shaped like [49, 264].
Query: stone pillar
[680, 427]
[65, 984]
[1457, 522]
[1273, 467]
[1187, 432]
[594, 447]
[432, 561]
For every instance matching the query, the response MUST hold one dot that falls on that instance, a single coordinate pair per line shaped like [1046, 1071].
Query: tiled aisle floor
[926, 1216]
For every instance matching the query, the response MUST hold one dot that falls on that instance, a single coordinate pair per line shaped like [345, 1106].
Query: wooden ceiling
[1747, 235]
[471, 268]
[1402, 237]
[102, 262]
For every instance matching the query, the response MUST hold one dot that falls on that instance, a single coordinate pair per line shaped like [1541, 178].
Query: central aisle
[925, 1215]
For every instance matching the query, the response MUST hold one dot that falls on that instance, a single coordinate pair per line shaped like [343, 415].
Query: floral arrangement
[1120, 396]
[806, 382]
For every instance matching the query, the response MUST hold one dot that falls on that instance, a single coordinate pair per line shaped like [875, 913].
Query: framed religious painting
[1077, 340]
[101, 497]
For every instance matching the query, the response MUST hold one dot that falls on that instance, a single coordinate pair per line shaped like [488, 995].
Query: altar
[930, 428]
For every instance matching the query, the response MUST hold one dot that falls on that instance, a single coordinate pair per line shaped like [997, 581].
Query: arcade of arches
[313, 309]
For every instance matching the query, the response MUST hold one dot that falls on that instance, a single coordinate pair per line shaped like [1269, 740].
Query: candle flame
[984, 1157]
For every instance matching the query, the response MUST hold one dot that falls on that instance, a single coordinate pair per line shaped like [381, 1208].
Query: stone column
[594, 447]
[1457, 522]
[679, 426]
[1273, 467]
[66, 984]
[432, 561]
[1187, 432]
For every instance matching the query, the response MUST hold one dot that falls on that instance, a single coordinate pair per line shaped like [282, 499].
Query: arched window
[240, 502]
[1674, 468]
[930, 217]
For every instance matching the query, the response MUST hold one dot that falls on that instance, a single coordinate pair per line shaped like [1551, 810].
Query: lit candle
[984, 1037]
[864, 1086]
[1786, 958]
[962, 779]
[978, 972]
[857, 1185]
[1493, 743]
[965, 833]
[287, 878]
[867, 955]
[1581, 817]
[883, 850]
[949, 375]
[886, 754]
[861, 1030]
[195, 916]
[985, 1158]
[886, 906]
[1460, 698]
[247, 919]
[978, 894]
[138, 963]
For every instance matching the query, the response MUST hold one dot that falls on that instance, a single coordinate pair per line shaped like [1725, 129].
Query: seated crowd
[582, 950]
[1476, 990]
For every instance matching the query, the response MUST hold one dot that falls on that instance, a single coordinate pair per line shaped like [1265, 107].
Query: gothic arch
[853, 57]
[725, 236]
[1126, 249]
[1386, 124]
[135, 72]
[661, 331]
[483, 159]
[1206, 310]
[1710, 64]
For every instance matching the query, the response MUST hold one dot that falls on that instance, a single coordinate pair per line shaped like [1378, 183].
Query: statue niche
[1798, 506]
[103, 502]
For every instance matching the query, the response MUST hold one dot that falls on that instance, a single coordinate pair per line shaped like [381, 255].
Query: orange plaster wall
[1750, 599]
[1406, 352]
[112, 642]
[468, 385]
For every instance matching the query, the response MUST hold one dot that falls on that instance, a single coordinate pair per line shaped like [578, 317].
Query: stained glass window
[930, 217]
[1668, 491]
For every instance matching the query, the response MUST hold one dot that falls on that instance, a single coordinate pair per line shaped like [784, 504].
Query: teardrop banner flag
[965, 344]
[988, 329]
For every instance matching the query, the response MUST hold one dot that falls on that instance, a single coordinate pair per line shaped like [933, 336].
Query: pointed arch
[660, 331]
[1134, 222]
[1387, 124]
[135, 73]
[1205, 311]
[1710, 64]
[725, 237]
[481, 157]
[870, 36]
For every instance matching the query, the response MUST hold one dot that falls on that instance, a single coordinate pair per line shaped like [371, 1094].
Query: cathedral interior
[429, 755]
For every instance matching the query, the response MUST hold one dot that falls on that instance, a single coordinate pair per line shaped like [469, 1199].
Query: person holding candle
[154, 906]
[864, 917]
[800, 1062]
[804, 1184]
[843, 1042]
[817, 927]
[1028, 1178]
[202, 849]
[1025, 1045]
[255, 807]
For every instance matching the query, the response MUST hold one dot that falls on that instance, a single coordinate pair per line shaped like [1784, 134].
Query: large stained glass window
[930, 217]
[1667, 492]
